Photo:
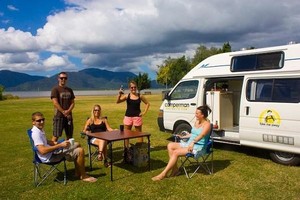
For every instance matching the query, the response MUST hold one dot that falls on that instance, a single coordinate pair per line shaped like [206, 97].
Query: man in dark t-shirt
[63, 101]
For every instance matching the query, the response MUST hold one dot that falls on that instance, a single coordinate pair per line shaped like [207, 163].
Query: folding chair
[41, 171]
[91, 154]
[202, 158]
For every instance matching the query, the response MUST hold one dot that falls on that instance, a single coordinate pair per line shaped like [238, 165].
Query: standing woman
[96, 123]
[199, 133]
[133, 114]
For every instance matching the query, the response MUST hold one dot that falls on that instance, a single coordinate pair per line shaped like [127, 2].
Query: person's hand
[121, 91]
[190, 147]
[65, 144]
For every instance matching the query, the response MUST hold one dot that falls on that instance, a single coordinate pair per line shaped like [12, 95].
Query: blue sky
[43, 37]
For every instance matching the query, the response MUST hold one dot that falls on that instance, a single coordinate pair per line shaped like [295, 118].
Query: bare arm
[47, 149]
[67, 112]
[60, 109]
[121, 98]
[87, 123]
[57, 105]
[143, 98]
[107, 125]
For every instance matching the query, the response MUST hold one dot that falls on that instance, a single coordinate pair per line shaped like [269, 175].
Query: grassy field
[240, 172]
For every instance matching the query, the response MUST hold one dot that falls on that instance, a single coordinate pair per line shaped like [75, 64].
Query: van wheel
[285, 158]
[182, 127]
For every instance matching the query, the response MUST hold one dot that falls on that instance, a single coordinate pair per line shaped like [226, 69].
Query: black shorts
[63, 123]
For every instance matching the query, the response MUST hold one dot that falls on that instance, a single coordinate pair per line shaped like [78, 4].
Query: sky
[44, 37]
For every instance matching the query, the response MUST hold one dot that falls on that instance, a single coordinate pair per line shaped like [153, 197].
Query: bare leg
[126, 142]
[139, 129]
[175, 151]
[80, 167]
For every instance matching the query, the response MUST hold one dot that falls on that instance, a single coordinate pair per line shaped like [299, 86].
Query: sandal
[100, 156]
[89, 179]
[107, 164]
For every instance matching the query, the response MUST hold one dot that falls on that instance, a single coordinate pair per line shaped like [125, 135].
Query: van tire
[285, 158]
[182, 127]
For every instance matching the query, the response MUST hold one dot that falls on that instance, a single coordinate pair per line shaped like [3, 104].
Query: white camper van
[254, 96]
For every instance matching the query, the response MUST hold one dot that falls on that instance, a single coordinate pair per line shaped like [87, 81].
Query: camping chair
[41, 171]
[91, 154]
[202, 158]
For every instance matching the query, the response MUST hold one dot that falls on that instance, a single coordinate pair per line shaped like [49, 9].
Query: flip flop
[89, 179]
[157, 178]
[100, 156]
[107, 164]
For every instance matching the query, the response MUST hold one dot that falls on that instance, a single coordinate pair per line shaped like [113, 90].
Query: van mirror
[165, 94]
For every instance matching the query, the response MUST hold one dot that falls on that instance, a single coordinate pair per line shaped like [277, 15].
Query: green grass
[240, 172]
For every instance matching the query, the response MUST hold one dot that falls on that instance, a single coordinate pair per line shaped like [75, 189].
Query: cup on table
[72, 141]
[121, 127]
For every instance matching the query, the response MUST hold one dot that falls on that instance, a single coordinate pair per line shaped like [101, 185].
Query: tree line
[173, 69]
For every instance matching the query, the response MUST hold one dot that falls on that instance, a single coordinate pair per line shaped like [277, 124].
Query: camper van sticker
[177, 106]
[269, 117]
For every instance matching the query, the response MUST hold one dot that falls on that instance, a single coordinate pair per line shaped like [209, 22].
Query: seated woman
[96, 123]
[196, 141]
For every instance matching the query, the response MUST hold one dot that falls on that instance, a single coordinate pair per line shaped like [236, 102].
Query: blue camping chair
[41, 171]
[201, 159]
[93, 149]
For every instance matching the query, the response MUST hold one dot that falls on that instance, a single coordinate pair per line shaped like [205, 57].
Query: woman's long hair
[92, 118]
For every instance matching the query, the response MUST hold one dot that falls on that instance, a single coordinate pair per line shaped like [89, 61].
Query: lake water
[28, 94]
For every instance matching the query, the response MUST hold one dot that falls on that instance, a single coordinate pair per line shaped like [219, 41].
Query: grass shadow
[250, 151]
[218, 165]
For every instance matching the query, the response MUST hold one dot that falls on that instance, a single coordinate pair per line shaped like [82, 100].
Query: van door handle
[193, 104]
[247, 110]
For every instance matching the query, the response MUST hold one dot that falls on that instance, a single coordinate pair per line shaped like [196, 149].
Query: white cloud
[17, 41]
[57, 62]
[124, 35]
[13, 8]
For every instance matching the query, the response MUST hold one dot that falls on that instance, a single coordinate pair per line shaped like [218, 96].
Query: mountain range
[86, 79]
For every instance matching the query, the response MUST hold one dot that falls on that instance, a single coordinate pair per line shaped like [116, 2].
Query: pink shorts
[135, 121]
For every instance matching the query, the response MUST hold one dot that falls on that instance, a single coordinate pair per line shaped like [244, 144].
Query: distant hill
[12, 79]
[87, 79]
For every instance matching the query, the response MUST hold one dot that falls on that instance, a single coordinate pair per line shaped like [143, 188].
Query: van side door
[269, 115]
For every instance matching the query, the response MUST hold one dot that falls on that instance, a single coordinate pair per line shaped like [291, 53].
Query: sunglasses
[132, 87]
[63, 78]
[96, 110]
[40, 120]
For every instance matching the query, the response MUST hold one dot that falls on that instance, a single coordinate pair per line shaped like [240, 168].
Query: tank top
[133, 107]
[98, 127]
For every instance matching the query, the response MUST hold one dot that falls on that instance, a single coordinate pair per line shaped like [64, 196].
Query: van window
[274, 90]
[257, 62]
[185, 90]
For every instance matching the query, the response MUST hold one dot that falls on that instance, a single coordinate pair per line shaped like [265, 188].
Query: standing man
[63, 101]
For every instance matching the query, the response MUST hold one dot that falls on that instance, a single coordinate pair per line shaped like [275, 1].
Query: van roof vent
[292, 42]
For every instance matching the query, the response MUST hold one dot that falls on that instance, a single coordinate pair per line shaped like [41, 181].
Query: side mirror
[165, 95]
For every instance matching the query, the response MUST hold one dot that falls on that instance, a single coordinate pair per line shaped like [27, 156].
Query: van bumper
[160, 123]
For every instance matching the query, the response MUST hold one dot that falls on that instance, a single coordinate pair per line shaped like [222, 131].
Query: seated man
[46, 148]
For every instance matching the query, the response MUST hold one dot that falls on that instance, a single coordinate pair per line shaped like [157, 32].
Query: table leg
[148, 152]
[111, 160]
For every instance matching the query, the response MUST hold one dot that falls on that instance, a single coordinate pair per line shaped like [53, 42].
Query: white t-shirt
[39, 138]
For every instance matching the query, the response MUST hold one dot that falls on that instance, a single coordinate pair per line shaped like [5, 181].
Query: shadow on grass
[218, 165]
[250, 151]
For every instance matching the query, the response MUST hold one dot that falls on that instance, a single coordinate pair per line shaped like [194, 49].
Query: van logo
[269, 117]
[177, 106]
[204, 66]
